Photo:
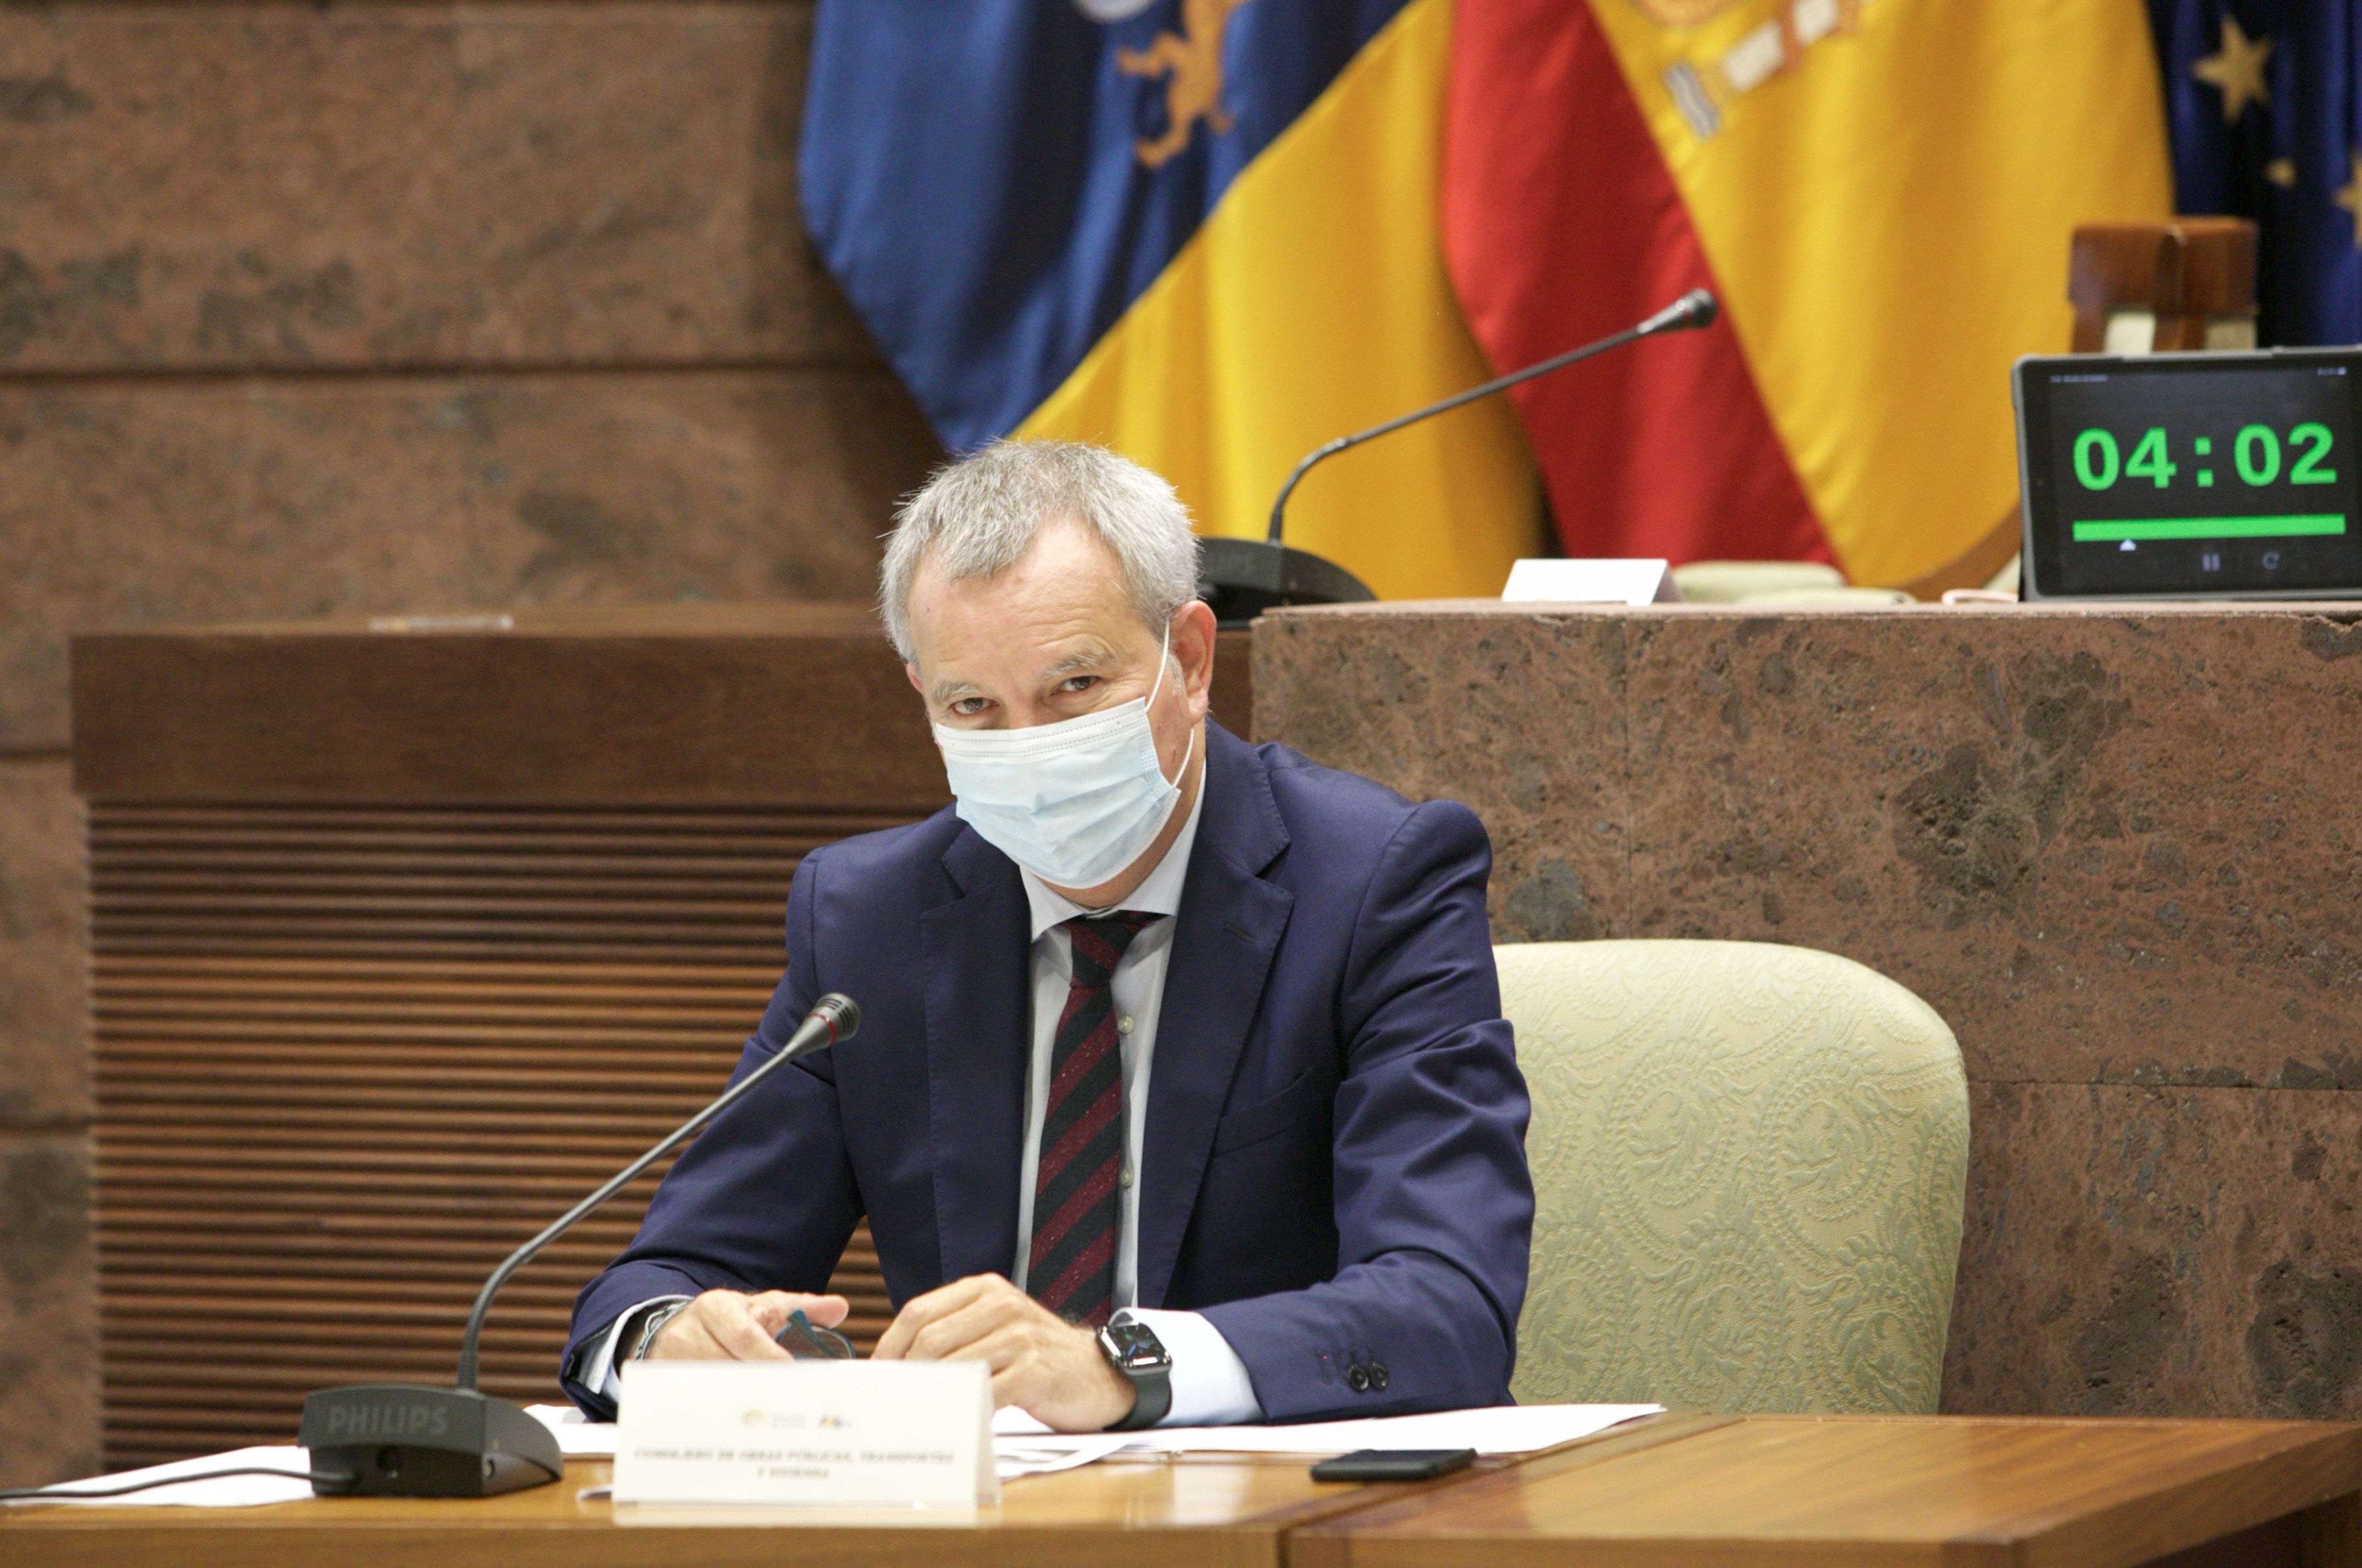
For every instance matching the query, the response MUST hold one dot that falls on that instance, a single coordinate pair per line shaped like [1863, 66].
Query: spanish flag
[1203, 231]
[1880, 192]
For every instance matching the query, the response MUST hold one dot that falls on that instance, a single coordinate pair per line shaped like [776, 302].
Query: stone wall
[319, 309]
[2115, 849]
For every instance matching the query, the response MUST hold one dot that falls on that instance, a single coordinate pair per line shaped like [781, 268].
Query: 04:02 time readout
[2257, 453]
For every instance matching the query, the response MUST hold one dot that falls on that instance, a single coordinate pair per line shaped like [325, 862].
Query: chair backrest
[1749, 1162]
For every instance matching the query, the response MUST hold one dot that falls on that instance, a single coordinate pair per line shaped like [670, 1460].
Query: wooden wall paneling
[704, 705]
[348, 1058]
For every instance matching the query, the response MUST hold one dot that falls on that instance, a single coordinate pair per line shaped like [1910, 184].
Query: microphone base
[1241, 578]
[397, 1440]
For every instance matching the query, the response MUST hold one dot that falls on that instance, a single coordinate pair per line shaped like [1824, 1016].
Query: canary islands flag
[1202, 232]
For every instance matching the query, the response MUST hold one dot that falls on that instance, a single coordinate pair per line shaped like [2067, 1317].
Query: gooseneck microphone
[392, 1440]
[1693, 310]
[1243, 577]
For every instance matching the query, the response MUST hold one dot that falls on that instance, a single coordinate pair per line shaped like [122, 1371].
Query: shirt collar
[1160, 895]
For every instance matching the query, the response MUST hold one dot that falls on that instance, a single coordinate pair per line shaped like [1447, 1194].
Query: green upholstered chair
[1749, 1163]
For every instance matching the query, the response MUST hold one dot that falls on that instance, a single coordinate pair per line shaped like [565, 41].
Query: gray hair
[979, 515]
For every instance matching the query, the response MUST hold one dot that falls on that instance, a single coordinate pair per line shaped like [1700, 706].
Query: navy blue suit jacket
[1333, 1166]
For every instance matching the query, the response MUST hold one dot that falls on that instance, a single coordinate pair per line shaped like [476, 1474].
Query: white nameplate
[861, 1434]
[1632, 582]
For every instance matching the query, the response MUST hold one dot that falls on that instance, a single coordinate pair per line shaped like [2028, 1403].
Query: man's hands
[725, 1325]
[1040, 1362]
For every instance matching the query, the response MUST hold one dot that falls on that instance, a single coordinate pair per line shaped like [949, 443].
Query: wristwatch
[1140, 1359]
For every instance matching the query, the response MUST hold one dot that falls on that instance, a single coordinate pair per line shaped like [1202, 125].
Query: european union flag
[2261, 99]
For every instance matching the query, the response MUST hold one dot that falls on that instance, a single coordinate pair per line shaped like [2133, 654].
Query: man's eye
[968, 707]
[1079, 683]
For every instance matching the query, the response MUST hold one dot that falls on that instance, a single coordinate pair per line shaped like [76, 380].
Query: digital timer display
[2191, 474]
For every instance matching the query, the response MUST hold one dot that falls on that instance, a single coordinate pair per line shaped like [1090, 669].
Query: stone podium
[2118, 850]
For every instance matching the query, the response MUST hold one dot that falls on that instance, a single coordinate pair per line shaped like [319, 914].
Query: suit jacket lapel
[1229, 929]
[978, 978]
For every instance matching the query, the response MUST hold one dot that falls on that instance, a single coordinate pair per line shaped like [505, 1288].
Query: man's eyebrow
[943, 693]
[1080, 662]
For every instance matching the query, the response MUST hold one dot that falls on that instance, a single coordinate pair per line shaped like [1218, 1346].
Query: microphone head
[839, 1013]
[1693, 310]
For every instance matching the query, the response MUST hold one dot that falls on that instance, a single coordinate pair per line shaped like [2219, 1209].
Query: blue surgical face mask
[1073, 801]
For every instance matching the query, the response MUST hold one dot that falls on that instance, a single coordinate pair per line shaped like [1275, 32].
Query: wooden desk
[1131, 1515]
[1685, 1490]
[1835, 1492]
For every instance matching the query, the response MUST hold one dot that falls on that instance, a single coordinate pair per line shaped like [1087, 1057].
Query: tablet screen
[2197, 473]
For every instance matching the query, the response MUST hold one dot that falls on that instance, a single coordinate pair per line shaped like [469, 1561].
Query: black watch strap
[1151, 1386]
[1153, 1396]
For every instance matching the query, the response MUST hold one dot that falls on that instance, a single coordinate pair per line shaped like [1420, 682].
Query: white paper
[579, 1437]
[831, 1433]
[1016, 1456]
[1628, 582]
[1494, 1430]
[230, 1492]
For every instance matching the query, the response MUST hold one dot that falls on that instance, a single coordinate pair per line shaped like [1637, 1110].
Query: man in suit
[1182, 1091]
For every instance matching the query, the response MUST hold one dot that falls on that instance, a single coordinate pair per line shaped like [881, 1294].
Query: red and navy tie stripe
[1077, 1204]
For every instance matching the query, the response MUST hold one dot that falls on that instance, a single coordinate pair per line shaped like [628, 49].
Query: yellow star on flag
[2281, 171]
[2349, 196]
[2238, 70]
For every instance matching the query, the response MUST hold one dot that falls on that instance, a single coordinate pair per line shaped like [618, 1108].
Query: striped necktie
[1077, 1206]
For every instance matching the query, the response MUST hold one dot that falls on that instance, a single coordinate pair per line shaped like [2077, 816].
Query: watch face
[1136, 1347]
